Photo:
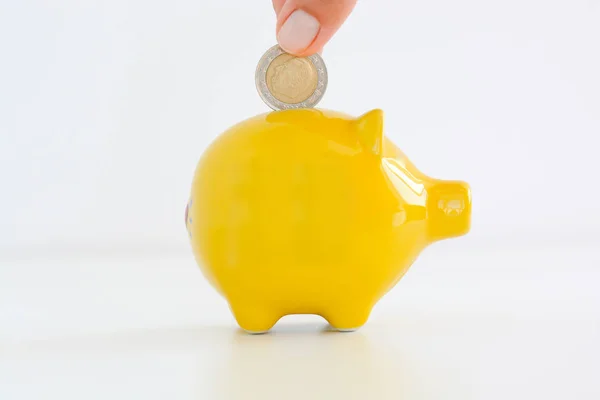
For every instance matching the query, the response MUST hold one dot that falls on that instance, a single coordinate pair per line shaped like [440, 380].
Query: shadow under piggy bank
[311, 361]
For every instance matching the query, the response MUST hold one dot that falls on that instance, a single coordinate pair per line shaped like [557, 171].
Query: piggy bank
[310, 211]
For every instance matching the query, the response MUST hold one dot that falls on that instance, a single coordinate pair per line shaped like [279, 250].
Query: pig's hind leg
[253, 318]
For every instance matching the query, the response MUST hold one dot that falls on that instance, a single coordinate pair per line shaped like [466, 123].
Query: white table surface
[467, 322]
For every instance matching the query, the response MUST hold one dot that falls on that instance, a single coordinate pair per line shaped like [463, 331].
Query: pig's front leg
[347, 317]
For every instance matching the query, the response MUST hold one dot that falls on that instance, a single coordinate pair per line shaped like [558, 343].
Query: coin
[286, 82]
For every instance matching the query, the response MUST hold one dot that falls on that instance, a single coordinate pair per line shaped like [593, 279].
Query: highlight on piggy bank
[314, 212]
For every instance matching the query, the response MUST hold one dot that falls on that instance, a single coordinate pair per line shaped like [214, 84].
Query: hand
[305, 26]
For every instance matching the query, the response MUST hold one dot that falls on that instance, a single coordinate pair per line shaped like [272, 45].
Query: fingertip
[298, 32]
[278, 6]
[304, 27]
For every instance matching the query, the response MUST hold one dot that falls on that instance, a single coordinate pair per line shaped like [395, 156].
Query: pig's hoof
[254, 320]
[255, 333]
[347, 330]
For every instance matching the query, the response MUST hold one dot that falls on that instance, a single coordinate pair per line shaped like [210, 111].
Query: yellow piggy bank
[314, 212]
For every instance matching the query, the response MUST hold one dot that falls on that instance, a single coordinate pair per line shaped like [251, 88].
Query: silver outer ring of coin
[275, 104]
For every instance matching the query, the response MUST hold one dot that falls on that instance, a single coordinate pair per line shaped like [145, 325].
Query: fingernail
[298, 32]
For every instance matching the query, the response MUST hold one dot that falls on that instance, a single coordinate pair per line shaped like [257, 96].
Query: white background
[106, 106]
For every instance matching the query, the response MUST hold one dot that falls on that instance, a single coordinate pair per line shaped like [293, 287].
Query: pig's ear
[369, 128]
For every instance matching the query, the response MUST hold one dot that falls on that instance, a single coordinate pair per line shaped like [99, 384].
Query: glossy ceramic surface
[314, 212]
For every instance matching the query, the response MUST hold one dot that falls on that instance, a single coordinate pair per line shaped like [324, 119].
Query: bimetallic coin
[285, 81]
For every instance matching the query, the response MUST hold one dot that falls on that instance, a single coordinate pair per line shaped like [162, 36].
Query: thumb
[305, 26]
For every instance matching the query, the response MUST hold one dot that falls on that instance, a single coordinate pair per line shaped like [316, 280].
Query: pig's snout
[448, 209]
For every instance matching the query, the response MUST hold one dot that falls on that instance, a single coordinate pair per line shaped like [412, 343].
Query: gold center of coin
[291, 79]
